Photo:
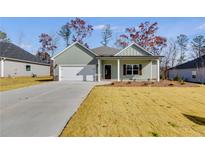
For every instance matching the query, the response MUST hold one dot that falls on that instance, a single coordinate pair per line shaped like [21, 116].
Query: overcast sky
[25, 31]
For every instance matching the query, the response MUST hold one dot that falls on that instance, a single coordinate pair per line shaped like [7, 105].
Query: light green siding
[133, 51]
[146, 69]
[75, 55]
[154, 69]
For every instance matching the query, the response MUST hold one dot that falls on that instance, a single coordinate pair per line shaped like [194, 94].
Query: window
[132, 69]
[135, 69]
[193, 74]
[129, 69]
[28, 67]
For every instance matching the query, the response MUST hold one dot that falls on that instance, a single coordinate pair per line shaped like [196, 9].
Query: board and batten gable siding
[75, 55]
[133, 51]
[16, 68]
[186, 74]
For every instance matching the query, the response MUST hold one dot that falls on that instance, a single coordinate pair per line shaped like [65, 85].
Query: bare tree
[170, 55]
[106, 35]
[182, 42]
[198, 49]
[198, 46]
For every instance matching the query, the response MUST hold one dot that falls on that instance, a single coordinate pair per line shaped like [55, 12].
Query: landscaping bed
[162, 83]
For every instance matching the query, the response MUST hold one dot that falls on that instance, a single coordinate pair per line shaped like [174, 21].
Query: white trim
[59, 73]
[72, 46]
[135, 45]
[99, 70]
[2, 67]
[24, 61]
[111, 70]
[118, 70]
[158, 71]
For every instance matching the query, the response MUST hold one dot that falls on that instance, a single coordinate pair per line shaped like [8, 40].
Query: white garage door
[78, 73]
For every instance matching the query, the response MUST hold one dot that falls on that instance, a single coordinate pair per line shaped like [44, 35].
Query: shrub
[171, 84]
[182, 82]
[146, 84]
[177, 78]
[129, 82]
[34, 75]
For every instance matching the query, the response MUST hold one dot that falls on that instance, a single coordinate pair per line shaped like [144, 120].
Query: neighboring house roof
[196, 63]
[10, 50]
[105, 51]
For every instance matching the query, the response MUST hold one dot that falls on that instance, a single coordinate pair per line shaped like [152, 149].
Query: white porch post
[118, 69]
[151, 70]
[99, 68]
[158, 70]
[2, 67]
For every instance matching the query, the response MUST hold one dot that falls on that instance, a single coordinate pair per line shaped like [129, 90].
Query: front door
[107, 71]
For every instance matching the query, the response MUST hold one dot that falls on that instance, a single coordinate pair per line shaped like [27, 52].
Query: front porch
[128, 68]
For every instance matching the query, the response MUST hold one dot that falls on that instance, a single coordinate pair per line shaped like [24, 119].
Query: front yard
[140, 111]
[9, 83]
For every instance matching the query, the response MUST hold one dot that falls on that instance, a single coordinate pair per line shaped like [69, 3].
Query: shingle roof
[105, 51]
[192, 64]
[10, 50]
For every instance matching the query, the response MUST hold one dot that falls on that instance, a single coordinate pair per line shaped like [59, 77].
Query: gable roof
[109, 51]
[10, 50]
[105, 51]
[136, 45]
[75, 43]
[191, 64]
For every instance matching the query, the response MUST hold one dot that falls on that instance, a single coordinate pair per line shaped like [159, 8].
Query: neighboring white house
[192, 71]
[77, 62]
[15, 61]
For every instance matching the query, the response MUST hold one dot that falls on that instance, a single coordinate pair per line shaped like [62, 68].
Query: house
[15, 61]
[193, 71]
[77, 62]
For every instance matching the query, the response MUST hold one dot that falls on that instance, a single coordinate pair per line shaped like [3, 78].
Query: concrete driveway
[40, 110]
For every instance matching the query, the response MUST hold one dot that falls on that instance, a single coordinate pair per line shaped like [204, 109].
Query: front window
[129, 69]
[132, 69]
[135, 69]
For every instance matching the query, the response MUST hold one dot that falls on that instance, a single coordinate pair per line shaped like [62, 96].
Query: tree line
[175, 51]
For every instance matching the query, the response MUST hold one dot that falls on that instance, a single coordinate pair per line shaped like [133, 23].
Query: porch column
[151, 70]
[2, 67]
[118, 69]
[158, 70]
[99, 70]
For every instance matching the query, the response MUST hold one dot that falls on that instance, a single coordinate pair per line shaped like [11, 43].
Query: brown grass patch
[9, 83]
[140, 111]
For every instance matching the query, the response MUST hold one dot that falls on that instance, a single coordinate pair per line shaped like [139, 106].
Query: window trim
[138, 65]
[193, 74]
[29, 67]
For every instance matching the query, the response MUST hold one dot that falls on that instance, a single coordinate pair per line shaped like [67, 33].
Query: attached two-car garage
[77, 73]
[75, 63]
